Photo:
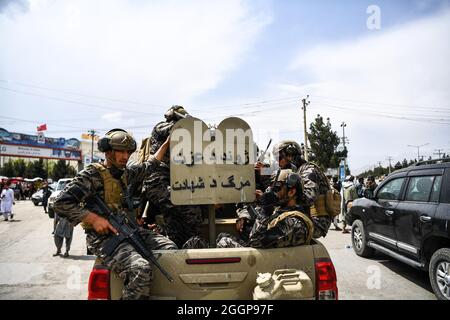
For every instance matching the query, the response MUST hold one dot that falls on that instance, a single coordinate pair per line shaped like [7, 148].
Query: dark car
[408, 218]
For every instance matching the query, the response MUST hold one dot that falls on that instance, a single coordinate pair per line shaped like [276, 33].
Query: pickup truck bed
[227, 274]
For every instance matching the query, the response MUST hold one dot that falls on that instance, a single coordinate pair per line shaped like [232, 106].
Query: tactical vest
[297, 214]
[328, 203]
[113, 192]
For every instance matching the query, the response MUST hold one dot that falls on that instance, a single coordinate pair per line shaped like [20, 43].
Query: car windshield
[61, 185]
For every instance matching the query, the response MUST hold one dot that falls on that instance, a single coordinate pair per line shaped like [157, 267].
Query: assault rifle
[128, 230]
[262, 156]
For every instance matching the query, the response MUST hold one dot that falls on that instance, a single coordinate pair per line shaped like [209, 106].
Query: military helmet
[290, 179]
[288, 147]
[117, 139]
[243, 213]
[176, 112]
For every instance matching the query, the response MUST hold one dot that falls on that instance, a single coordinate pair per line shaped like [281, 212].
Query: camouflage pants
[225, 240]
[321, 226]
[130, 266]
[180, 222]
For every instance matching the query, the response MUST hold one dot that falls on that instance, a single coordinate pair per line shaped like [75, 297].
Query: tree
[39, 170]
[62, 170]
[8, 170]
[323, 142]
[404, 163]
[398, 165]
[19, 166]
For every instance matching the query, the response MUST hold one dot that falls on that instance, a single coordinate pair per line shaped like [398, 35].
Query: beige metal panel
[199, 175]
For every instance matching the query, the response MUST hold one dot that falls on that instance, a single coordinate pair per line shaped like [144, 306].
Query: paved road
[377, 278]
[28, 270]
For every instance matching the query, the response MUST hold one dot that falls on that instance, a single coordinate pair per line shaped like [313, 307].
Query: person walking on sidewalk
[7, 197]
[63, 230]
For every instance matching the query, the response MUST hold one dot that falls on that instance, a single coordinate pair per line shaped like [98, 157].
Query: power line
[382, 103]
[81, 94]
[243, 105]
[78, 102]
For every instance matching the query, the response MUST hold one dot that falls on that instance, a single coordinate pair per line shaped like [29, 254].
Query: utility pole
[438, 152]
[343, 125]
[92, 133]
[305, 104]
[418, 148]
[389, 158]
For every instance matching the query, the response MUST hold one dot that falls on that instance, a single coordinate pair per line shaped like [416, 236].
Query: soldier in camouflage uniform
[180, 222]
[282, 221]
[109, 181]
[244, 224]
[314, 181]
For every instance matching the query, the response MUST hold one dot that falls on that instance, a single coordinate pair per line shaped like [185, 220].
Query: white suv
[59, 187]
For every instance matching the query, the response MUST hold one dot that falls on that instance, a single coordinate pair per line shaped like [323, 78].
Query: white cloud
[161, 52]
[407, 67]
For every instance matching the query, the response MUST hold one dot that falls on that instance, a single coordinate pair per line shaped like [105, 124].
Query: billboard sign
[24, 151]
[211, 167]
[38, 146]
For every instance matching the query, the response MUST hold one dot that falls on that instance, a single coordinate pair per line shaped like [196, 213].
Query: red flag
[42, 127]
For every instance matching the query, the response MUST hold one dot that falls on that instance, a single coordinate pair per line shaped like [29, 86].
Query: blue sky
[385, 84]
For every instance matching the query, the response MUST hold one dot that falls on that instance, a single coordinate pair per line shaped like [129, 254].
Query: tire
[439, 272]
[359, 240]
[36, 203]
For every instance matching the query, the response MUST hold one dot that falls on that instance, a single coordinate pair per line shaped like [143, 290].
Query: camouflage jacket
[74, 201]
[314, 182]
[180, 222]
[291, 231]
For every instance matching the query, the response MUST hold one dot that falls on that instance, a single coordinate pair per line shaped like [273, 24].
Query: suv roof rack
[433, 161]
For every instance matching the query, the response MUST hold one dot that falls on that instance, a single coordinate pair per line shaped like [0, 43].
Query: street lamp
[418, 148]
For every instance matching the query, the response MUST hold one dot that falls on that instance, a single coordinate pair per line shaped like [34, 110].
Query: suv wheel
[359, 240]
[440, 273]
[51, 213]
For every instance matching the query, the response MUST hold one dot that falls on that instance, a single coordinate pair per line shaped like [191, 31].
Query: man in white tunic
[7, 197]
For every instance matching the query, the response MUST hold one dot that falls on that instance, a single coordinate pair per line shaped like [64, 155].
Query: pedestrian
[360, 187]
[112, 181]
[46, 192]
[63, 230]
[336, 185]
[7, 197]
[348, 193]
[371, 185]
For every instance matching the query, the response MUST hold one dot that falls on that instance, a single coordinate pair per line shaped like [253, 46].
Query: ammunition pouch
[328, 204]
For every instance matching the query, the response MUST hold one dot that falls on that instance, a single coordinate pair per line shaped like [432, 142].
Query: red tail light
[99, 284]
[213, 260]
[326, 281]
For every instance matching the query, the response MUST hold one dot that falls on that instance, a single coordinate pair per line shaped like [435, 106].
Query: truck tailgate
[220, 273]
